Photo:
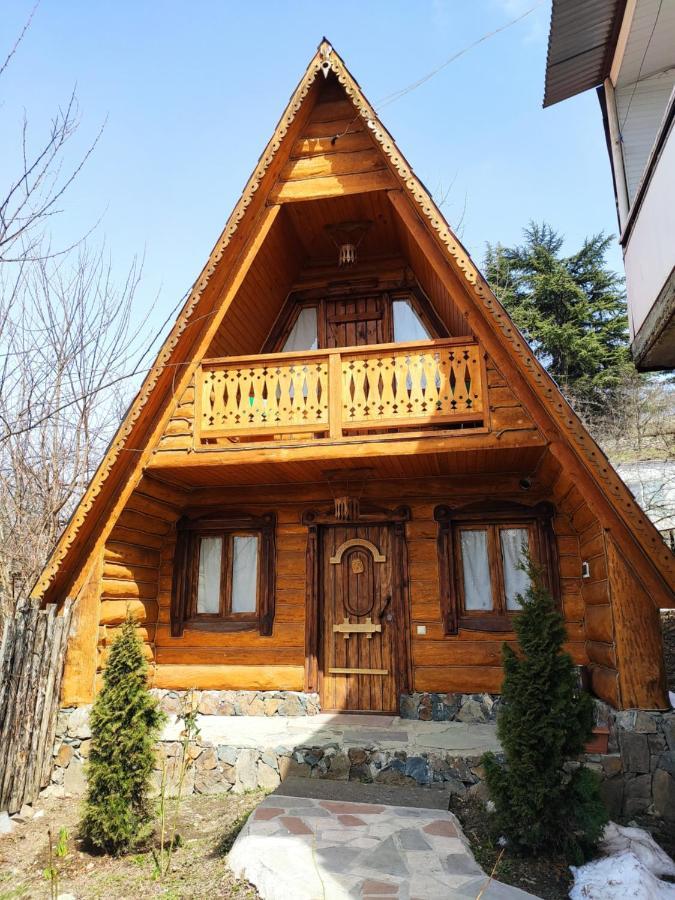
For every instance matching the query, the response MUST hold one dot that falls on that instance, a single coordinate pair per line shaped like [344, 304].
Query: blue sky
[192, 91]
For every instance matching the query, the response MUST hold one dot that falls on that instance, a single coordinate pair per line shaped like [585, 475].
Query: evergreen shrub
[544, 722]
[125, 723]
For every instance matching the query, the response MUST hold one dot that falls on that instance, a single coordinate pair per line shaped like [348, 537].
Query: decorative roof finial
[325, 50]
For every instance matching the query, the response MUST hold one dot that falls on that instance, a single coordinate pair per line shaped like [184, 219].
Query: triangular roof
[122, 467]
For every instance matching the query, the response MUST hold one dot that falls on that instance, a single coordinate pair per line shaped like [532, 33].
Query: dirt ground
[207, 826]
[547, 877]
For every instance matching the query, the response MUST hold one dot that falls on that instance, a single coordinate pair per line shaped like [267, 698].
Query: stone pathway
[316, 849]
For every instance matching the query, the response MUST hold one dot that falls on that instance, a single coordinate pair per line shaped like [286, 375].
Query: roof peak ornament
[325, 50]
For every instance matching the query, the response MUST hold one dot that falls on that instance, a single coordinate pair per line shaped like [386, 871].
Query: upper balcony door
[354, 321]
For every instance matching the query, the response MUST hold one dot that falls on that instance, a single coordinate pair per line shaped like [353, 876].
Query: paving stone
[387, 858]
[411, 839]
[363, 809]
[441, 827]
[350, 821]
[461, 864]
[337, 859]
[263, 813]
[295, 825]
[378, 888]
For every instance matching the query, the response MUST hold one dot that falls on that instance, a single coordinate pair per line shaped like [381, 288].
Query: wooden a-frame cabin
[327, 479]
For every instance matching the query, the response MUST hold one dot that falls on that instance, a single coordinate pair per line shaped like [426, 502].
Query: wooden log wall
[32, 654]
[138, 568]
[593, 591]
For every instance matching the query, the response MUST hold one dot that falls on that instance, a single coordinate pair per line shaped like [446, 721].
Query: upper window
[482, 550]
[223, 576]
[407, 324]
[304, 334]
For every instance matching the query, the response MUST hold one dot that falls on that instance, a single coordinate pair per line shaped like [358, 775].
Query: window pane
[515, 544]
[208, 588]
[244, 573]
[476, 569]
[407, 324]
[303, 335]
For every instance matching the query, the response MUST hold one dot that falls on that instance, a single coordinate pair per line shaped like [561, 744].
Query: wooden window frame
[189, 532]
[289, 315]
[492, 517]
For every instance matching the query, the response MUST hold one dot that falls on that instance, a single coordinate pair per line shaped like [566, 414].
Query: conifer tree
[544, 721]
[571, 309]
[125, 721]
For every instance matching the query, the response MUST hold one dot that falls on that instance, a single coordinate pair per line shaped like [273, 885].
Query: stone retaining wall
[638, 771]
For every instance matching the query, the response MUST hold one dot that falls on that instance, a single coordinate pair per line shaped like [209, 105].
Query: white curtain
[514, 546]
[208, 588]
[476, 568]
[303, 335]
[407, 324]
[244, 573]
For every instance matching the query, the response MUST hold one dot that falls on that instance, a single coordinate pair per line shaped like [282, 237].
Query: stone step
[435, 796]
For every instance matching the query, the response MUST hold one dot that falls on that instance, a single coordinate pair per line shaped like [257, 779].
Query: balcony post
[335, 396]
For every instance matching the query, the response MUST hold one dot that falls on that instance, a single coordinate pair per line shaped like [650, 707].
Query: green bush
[544, 720]
[125, 722]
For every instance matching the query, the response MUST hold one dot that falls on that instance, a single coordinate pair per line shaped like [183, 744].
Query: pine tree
[544, 720]
[125, 721]
[571, 309]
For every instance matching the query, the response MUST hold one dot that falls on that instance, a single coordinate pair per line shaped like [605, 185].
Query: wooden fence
[32, 655]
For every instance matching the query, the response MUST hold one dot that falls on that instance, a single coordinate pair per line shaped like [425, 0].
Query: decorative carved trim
[336, 559]
[369, 514]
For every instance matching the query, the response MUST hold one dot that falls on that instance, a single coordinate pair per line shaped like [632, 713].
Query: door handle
[387, 602]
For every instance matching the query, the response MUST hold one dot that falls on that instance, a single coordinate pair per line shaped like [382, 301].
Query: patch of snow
[617, 839]
[6, 824]
[628, 871]
[619, 877]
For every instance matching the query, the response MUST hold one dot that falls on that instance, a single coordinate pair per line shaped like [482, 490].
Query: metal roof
[581, 40]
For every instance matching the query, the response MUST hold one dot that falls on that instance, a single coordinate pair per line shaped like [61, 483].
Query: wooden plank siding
[325, 166]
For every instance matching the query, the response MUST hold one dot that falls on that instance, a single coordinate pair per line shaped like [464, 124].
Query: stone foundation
[450, 707]
[241, 703]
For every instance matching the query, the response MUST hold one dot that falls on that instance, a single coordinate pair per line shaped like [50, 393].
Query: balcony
[332, 394]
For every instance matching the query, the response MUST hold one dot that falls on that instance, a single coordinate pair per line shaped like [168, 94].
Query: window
[489, 567]
[227, 581]
[304, 334]
[407, 324]
[481, 548]
[223, 577]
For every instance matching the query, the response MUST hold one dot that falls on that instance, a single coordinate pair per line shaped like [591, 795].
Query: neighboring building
[626, 48]
[328, 479]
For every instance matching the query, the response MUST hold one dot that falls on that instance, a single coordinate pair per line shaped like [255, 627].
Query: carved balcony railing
[331, 393]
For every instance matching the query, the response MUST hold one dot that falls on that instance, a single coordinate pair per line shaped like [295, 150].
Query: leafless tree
[637, 432]
[32, 198]
[66, 352]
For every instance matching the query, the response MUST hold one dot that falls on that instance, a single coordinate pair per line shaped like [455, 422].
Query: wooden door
[359, 609]
[357, 321]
